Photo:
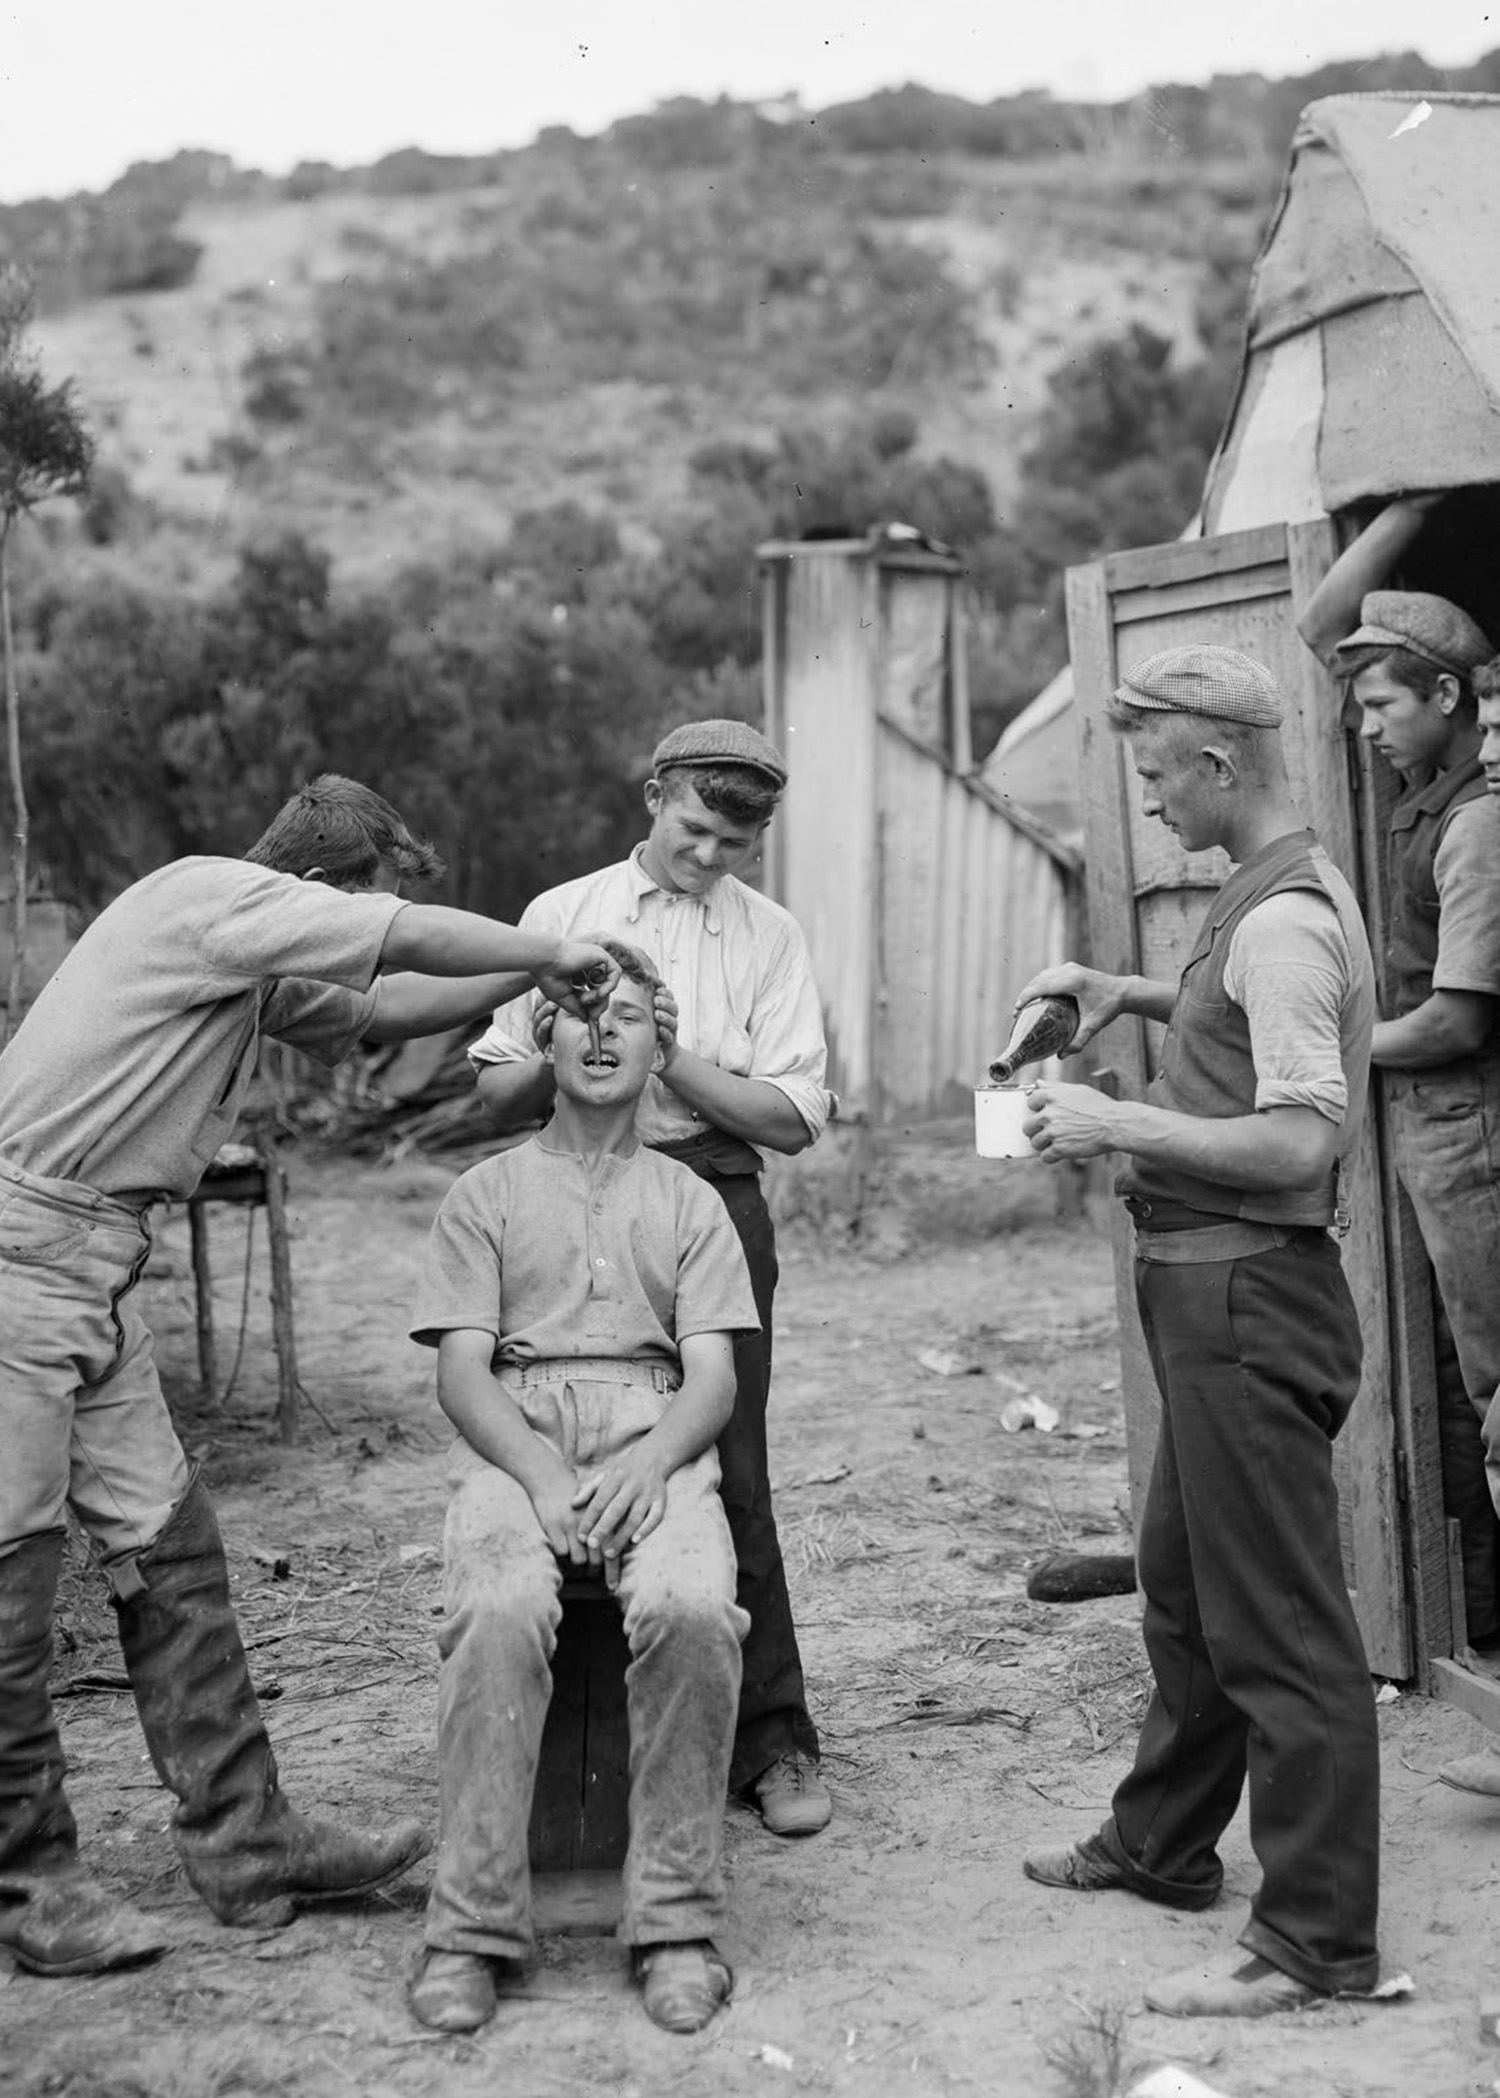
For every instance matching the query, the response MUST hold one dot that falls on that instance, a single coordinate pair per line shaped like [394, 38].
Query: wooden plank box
[580, 1824]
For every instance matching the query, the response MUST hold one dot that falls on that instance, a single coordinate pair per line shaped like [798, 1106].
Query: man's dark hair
[1417, 673]
[634, 961]
[1487, 679]
[347, 832]
[739, 792]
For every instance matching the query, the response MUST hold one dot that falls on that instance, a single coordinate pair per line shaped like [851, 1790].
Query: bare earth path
[902, 1952]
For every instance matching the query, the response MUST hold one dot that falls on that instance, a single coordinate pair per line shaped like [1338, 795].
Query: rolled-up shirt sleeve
[507, 1039]
[786, 1032]
[1289, 971]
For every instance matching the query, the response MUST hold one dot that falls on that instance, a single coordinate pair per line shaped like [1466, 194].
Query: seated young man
[583, 1292]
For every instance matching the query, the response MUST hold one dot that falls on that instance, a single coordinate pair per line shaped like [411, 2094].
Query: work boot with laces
[792, 1797]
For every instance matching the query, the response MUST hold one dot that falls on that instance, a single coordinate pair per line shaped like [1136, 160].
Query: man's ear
[1226, 772]
[653, 796]
[314, 874]
[1447, 692]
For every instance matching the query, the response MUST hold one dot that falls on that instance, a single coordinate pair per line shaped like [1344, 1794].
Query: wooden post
[204, 1283]
[282, 1328]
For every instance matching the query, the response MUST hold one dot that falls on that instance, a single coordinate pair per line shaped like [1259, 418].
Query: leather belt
[593, 1369]
[1216, 1242]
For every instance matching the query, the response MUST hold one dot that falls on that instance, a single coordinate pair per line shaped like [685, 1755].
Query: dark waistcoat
[1207, 1068]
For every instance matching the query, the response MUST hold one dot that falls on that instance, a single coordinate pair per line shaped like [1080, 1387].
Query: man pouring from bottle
[1231, 1175]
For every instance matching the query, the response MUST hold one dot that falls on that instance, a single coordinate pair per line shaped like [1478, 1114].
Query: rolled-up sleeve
[1289, 972]
[507, 1039]
[786, 1030]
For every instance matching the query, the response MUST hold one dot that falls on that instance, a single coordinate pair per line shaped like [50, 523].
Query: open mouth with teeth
[600, 1059]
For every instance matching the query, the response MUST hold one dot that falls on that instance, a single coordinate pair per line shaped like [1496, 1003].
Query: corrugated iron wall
[820, 859]
[970, 906]
[926, 903]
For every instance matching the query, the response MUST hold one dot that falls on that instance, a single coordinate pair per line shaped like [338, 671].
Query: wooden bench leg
[281, 1303]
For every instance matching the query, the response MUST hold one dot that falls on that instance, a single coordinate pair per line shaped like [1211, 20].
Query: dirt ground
[902, 1952]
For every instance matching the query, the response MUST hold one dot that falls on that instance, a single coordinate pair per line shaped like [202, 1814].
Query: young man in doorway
[743, 1072]
[1407, 661]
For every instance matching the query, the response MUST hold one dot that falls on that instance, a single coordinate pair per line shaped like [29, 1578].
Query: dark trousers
[1466, 1486]
[1446, 1126]
[1259, 1670]
[773, 1699]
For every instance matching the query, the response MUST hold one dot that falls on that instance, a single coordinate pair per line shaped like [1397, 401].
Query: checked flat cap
[1219, 682]
[1427, 626]
[720, 743]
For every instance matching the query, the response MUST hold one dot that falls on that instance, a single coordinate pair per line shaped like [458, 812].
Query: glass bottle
[1043, 1027]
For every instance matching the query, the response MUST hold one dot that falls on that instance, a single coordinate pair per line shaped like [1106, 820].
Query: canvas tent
[1371, 366]
[1372, 358]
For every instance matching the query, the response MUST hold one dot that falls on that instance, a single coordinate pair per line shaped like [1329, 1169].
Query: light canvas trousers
[82, 1419]
[501, 1612]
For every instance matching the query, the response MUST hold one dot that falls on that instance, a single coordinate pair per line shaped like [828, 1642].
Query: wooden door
[1146, 898]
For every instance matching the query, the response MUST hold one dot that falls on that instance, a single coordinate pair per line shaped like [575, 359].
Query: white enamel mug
[998, 1114]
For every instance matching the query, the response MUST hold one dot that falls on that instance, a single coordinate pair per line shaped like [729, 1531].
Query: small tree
[44, 451]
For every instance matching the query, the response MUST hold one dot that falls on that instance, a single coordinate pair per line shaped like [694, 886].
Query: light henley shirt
[555, 1259]
[128, 1071]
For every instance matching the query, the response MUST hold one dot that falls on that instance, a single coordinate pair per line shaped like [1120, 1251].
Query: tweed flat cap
[720, 743]
[1214, 681]
[1428, 626]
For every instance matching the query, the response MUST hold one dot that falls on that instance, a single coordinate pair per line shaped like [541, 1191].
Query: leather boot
[243, 1848]
[53, 1918]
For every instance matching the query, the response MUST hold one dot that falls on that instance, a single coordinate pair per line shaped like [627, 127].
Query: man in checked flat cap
[743, 1073]
[1231, 1172]
[1408, 660]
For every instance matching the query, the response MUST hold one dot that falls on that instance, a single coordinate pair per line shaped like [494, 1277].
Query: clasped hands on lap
[591, 1517]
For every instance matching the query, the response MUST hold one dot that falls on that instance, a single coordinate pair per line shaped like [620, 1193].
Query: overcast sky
[87, 86]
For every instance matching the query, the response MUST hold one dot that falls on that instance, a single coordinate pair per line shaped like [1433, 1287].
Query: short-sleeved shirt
[1467, 871]
[737, 965]
[1290, 970]
[128, 1072]
[555, 1258]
